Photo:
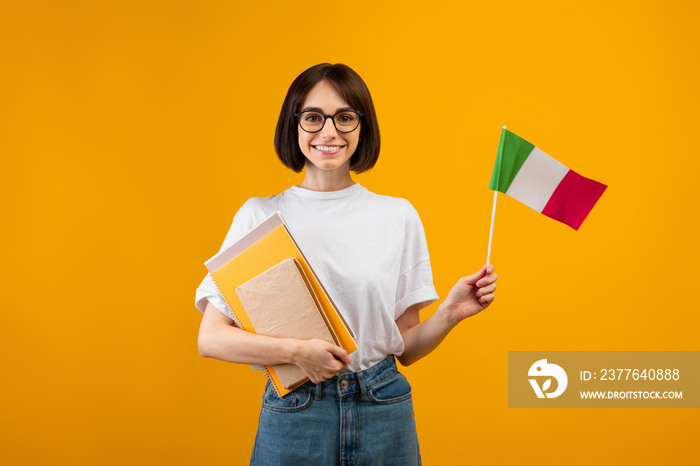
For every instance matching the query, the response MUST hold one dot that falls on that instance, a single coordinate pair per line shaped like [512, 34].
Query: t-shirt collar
[326, 194]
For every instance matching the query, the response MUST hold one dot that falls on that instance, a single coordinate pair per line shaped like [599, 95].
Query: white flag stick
[493, 218]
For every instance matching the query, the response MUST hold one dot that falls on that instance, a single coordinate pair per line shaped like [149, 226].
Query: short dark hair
[353, 90]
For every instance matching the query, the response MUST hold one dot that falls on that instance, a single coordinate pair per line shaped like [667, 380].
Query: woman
[370, 253]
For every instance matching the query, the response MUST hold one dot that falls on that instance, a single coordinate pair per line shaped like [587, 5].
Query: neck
[316, 180]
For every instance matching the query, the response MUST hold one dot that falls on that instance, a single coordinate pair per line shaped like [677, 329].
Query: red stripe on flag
[573, 199]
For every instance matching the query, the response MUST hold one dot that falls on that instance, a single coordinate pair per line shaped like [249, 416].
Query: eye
[345, 118]
[311, 117]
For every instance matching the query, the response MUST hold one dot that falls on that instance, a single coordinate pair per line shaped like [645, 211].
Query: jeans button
[343, 384]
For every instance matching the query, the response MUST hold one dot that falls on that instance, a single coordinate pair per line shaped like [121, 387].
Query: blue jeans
[357, 418]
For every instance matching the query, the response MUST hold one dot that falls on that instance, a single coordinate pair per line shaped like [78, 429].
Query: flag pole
[493, 218]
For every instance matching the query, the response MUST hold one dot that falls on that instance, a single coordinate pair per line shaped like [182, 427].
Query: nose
[328, 131]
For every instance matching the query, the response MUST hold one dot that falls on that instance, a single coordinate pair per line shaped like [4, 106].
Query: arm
[219, 338]
[468, 297]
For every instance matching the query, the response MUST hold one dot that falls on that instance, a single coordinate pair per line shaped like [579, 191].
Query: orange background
[131, 132]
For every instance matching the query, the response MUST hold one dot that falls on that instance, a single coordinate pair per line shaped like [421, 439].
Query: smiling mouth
[328, 148]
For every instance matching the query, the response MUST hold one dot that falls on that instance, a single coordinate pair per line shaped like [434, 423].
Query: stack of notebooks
[271, 290]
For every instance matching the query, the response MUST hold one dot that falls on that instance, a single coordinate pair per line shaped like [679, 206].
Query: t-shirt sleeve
[248, 217]
[415, 285]
[207, 292]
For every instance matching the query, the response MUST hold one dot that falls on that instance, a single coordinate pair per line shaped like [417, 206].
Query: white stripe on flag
[537, 179]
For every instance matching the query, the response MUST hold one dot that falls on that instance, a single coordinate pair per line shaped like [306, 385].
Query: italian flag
[527, 174]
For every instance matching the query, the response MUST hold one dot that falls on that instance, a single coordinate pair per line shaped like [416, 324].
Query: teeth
[328, 148]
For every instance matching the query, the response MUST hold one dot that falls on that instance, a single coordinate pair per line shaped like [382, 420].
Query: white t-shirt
[369, 251]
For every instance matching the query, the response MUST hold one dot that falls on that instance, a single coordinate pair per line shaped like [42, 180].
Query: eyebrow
[317, 109]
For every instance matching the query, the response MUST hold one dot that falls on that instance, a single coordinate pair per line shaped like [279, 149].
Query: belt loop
[361, 383]
[318, 396]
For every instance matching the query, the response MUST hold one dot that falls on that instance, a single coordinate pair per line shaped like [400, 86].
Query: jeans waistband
[353, 382]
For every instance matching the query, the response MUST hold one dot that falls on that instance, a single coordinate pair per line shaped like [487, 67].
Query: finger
[487, 280]
[483, 291]
[487, 299]
[340, 354]
[337, 366]
[473, 278]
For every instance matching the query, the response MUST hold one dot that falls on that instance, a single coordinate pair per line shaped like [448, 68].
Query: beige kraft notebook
[280, 302]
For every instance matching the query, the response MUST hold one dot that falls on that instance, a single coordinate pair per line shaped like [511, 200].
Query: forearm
[469, 296]
[235, 345]
[421, 339]
[219, 338]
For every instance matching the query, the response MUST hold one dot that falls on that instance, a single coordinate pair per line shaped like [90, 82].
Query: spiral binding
[240, 325]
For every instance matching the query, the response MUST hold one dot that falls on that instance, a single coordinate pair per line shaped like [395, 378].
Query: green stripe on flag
[512, 153]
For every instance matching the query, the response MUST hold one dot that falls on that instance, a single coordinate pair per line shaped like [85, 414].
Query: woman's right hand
[320, 360]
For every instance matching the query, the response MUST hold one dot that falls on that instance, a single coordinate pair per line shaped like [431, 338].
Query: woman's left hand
[472, 294]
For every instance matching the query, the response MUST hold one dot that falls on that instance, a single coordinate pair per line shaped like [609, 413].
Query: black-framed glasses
[345, 121]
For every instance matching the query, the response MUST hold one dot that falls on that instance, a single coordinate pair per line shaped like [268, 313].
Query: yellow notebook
[260, 250]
